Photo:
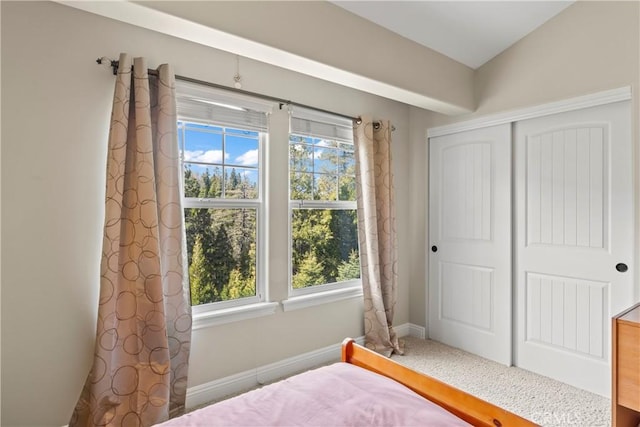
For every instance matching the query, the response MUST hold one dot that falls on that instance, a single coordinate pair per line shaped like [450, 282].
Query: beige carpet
[540, 399]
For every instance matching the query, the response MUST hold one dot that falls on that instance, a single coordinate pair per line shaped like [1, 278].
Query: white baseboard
[417, 331]
[411, 330]
[292, 365]
[203, 393]
[402, 330]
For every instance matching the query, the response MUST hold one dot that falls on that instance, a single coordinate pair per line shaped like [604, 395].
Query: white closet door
[574, 232]
[470, 248]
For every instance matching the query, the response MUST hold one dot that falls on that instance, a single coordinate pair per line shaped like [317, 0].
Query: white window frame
[220, 312]
[221, 203]
[327, 292]
[317, 204]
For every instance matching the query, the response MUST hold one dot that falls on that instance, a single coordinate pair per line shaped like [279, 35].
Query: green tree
[199, 276]
[244, 236]
[215, 186]
[239, 286]
[349, 269]
[326, 187]
[311, 233]
[198, 222]
[309, 273]
[205, 184]
[220, 259]
[233, 181]
[314, 238]
[323, 170]
[191, 184]
[300, 157]
[220, 242]
[344, 225]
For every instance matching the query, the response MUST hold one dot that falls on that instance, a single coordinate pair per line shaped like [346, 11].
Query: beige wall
[418, 187]
[326, 33]
[53, 164]
[589, 47]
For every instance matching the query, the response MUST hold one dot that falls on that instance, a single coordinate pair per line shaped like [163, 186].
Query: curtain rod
[115, 64]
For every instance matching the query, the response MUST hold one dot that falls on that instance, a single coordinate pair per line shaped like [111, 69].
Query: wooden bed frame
[464, 405]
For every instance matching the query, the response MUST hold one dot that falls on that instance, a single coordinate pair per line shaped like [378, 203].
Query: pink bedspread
[337, 395]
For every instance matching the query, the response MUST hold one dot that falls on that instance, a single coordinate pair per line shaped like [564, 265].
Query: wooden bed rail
[464, 405]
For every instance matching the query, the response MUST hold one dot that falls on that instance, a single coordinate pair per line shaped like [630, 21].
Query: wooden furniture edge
[620, 415]
[464, 405]
[620, 316]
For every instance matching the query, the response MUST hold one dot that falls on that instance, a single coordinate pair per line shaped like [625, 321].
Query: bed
[364, 389]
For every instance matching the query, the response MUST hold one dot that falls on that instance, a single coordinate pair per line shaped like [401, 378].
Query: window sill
[311, 300]
[233, 314]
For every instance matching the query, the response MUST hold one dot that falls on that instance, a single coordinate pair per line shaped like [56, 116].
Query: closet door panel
[470, 248]
[574, 222]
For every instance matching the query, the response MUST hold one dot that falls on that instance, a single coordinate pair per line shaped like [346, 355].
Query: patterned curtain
[139, 372]
[377, 233]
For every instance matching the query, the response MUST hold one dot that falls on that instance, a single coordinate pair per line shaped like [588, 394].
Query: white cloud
[249, 158]
[210, 156]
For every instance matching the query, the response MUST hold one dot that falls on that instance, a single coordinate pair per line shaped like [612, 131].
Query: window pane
[325, 246]
[324, 240]
[202, 181]
[220, 162]
[321, 169]
[301, 186]
[221, 251]
[325, 160]
[300, 158]
[202, 146]
[326, 187]
[347, 188]
[241, 151]
[241, 183]
[346, 162]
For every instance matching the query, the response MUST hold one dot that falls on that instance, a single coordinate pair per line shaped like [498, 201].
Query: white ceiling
[470, 32]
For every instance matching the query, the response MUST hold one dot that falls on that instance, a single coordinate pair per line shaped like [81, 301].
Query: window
[222, 139]
[324, 251]
[223, 148]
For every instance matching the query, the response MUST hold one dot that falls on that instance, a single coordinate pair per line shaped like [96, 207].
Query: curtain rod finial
[113, 64]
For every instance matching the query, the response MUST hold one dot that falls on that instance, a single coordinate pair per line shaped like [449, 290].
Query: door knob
[434, 248]
[622, 267]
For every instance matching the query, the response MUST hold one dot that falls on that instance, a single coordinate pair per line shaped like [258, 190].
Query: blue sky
[204, 144]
